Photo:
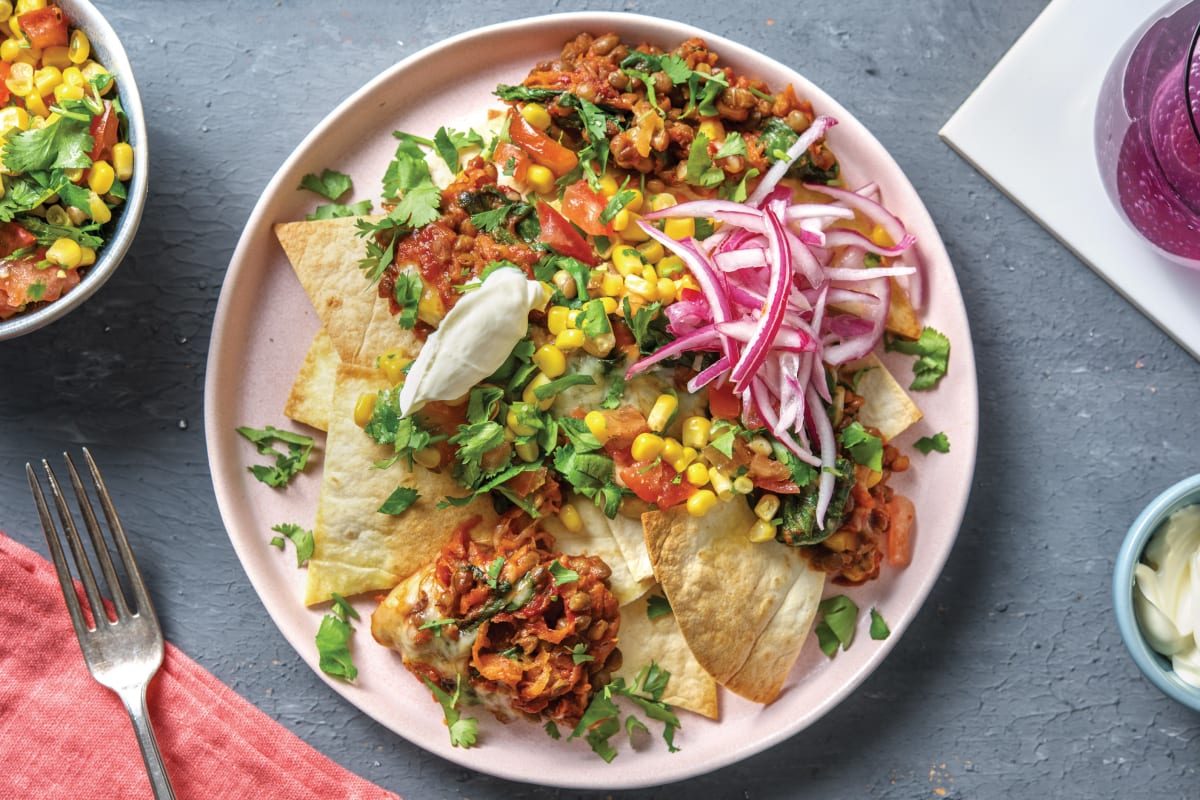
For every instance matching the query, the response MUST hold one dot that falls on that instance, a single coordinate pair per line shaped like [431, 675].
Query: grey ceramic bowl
[106, 49]
[1154, 666]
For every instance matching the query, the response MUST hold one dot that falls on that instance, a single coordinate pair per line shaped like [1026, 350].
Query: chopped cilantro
[734, 145]
[329, 184]
[399, 501]
[548, 390]
[933, 356]
[648, 326]
[287, 465]
[602, 718]
[406, 434]
[879, 628]
[514, 94]
[335, 210]
[407, 291]
[449, 143]
[552, 730]
[579, 654]
[63, 145]
[436, 625]
[463, 730]
[36, 291]
[562, 574]
[47, 233]
[839, 616]
[615, 203]
[700, 168]
[721, 437]
[333, 640]
[301, 538]
[864, 448]
[657, 606]
[593, 320]
[927, 444]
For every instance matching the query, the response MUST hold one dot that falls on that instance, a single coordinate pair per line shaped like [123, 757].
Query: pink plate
[264, 324]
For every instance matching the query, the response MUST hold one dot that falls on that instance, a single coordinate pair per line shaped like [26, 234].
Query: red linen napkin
[62, 735]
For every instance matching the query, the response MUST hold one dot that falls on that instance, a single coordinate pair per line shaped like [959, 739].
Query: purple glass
[1148, 132]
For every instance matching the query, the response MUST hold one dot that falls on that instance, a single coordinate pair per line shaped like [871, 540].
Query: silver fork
[123, 654]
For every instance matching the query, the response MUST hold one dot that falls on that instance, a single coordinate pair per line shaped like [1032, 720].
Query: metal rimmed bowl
[1155, 667]
[107, 49]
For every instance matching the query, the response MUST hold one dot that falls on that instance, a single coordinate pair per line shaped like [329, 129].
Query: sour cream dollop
[1166, 595]
[474, 339]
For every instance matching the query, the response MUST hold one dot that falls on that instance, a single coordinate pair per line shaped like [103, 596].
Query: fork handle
[134, 699]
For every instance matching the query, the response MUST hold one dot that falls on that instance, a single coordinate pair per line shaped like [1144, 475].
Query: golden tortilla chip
[325, 255]
[659, 640]
[596, 539]
[902, 317]
[311, 398]
[887, 406]
[632, 541]
[745, 609]
[358, 549]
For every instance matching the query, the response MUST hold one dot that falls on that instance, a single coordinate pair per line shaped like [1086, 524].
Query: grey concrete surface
[1011, 683]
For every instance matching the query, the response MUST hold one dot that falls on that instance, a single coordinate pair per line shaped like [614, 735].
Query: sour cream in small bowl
[1156, 592]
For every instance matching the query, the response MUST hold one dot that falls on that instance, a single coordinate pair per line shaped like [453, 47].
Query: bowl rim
[1153, 665]
[86, 16]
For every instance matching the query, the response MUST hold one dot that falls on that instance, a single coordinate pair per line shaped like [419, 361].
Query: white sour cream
[1166, 595]
[473, 340]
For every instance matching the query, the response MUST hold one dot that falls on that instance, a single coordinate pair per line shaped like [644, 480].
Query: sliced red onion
[709, 374]
[700, 339]
[867, 273]
[780, 167]
[825, 437]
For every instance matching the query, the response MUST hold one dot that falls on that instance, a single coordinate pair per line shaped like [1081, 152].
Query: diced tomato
[541, 148]
[777, 487]
[13, 237]
[5, 71]
[104, 133]
[512, 160]
[899, 534]
[18, 277]
[655, 482]
[45, 27]
[559, 234]
[723, 403]
[583, 206]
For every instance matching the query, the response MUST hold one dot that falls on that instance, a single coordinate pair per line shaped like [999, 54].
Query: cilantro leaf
[648, 326]
[399, 501]
[840, 615]
[333, 640]
[36, 291]
[476, 439]
[287, 465]
[563, 574]
[464, 731]
[879, 628]
[615, 203]
[864, 448]
[932, 349]
[329, 184]
[420, 205]
[47, 233]
[700, 168]
[927, 444]
[657, 606]
[552, 730]
[512, 94]
[407, 291]
[579, 654]
[336, 210]
[64, 144]
[548, 390]
[734, 145]
[301, 538]
[593, 320]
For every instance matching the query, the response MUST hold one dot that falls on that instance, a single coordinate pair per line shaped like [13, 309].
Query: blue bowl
[1154, 666]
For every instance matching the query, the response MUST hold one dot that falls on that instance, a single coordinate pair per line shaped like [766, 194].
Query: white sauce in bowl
[1166, 595]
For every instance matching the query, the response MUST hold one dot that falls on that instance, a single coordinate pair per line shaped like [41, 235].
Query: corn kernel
[697, 474]
[14, 25]
[528, 452]
[540, 179]
[516, 426]
[568, 515]
[122, 156]
[609, 185]
[10, 49]
[672, 450]
[46, 78]
[597, 423]
[761, 531]
[25, 6]
[29, 55]
[611, 285]
[36, 105]
[80, 49]
[64, 252]
[600, 346]
[97, 209]
[620, 220]
[393, 363]
[78, 216]
[73, 77]
[610, 304]
[760, 445]
[57, 56]
[767, 507]
[880, 237]
[627, 260]
[101, 177]
[713, 129]
[720, 483]
[2, 189]
[536, 115]
[686, 457]
[636, 284]
[680, 227]
[20, 79]
[364, 407]
[550, 360]
[635, 203]
[428, 457]
[556, 319]
[67, 91]
[93, 71]
[696, 431]
[646, 447]
[652, 252]
[671, 267]
[570, 339]
[686, 283]
[6, 10]
[573, 316]
[633, 232]
[701, 502]
[660, 414]
[649, 275]
[660, 201]
[87, 256]
[529, 396]
[14, 117]
[666, 290]
[743, 485]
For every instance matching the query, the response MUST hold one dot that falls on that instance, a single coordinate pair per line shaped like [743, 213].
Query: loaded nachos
[615, 388]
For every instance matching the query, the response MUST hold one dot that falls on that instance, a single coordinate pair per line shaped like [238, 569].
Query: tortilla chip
[745, 609]
[659, 640]
[632, 541]
[887, 406]
[325, 255]
[311, 397]
[902, 317]
[357, 549]
[596, 539]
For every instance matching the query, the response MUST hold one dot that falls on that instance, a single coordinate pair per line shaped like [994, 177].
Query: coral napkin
[64, 735]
